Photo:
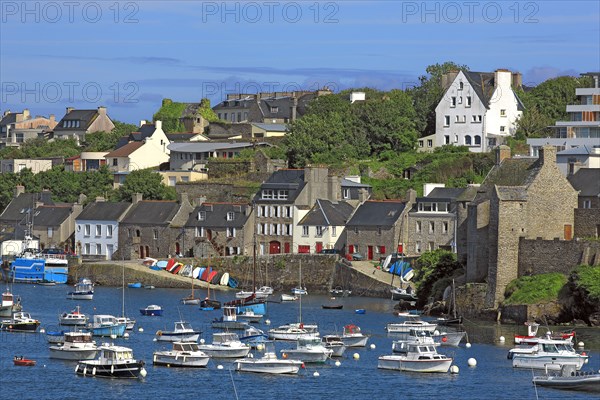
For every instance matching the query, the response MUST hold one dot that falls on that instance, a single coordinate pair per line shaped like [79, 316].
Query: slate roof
[10, 118]
[103, 211]
[216, 215]
[377, 213]
[24, 201]
[580, 150]
[151, 212]
[518, 193]
[328, 213]
[51, 215]
[125, 150]
[271, 127]
[145, 131]
[289, 179]
[85, 116]
[510, 173]
[183, 137]
[349, 183]
[483, 85]
[445, 193]
[587, 181]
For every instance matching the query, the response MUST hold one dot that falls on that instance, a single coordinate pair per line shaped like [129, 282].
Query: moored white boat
[183, 332]
[293, 332]
[449, 338]
[152, 310]
[76, 346]
[225, 345]
[9, 304]
[73, 318]
[261, 293]
[416, 355]
[352, 336]
[548, 354]
[570, 379]
[249, 315]
[183, 354]
[334, 343]
[106, 325]
[309, 350]
[129, 322]
[253, 336]
[413, 322]
[84, 290]
[268, 364]
[20, 322]
[288, 297]
[113, 362]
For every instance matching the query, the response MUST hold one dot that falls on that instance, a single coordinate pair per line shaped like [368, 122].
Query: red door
[370, 253]
[351, 249]
[274, 247]
[286, 247]
[319, 247]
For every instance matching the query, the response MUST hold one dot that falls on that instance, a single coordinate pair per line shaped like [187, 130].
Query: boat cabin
[183, 326]
[185, 346]
[112, 354]
[78, 337]
[104, 320]
[225, 337]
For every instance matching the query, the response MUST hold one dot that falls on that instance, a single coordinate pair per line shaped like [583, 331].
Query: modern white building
[583, 127]
[97, 229]
[478, 110]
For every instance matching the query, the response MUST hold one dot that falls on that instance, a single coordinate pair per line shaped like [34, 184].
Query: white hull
[338, 349]
[402, 328]
[85, 296]
[307, 356]
[400, 363]
[292, 336]
[268, 366]
[182, 337]
[73, 354]
[549, 362]
[225, 352]
[449, 339]
[355, 341]
[288, 297]
[172, 359]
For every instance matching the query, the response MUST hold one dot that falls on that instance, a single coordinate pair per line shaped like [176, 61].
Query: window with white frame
[453, 101]
[156, 234]
[98, 248]
[98, 230]
[87, 248]
[446, 139]
[305, 229]
[431, 246]
[230, 216]
[289, 229]
[468, 101]
[259, 229]
[503, 113]
[502, 128]
[417, 247]
[346, 193]
[199, 231]
[87, 230]
[201, 215]
[230, 232]
[319, 231]
[109, 231]
[445, 227]
[587, 204]
[333, 231]
[267, 194]
[431, 227]
[288, 212]
[283, 194]
[446, 120]
[50, 231]
[418, 226]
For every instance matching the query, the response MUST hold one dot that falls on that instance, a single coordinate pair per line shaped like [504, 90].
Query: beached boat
[182, 332]
[268, 364]
[76, 346]
[570, 379]
[20, 322]
[84, 290]
[112, 362]
[225, 345]
[152, 310]
[183, 354]
[73, 318]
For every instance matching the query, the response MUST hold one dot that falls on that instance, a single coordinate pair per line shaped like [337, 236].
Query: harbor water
[357, 377]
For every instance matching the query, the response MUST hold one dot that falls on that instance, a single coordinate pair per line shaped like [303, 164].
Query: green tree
[148, 183]
[434, 271]
[42, 148]
[107, 141]
[428, 94]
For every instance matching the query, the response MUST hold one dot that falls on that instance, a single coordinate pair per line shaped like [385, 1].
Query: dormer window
[202, 216]
[230, 216]
[274, 110]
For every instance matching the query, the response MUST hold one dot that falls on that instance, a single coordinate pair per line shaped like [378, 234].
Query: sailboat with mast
[209, 304]
[190, 300]
[129, 322]
[453, 318]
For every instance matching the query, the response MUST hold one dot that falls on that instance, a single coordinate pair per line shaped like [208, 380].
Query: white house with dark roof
[97, 229]
[77, 123]
[323, 227]
[478, 109]
[569, 161]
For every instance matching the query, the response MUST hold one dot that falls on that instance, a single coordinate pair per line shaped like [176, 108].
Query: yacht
[73, 318]
[268, 364]
[418, 354]
[410, 323]
[20, 322]
[84, 290]
[548, 354]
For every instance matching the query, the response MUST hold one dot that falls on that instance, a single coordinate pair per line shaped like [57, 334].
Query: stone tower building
[520, 198]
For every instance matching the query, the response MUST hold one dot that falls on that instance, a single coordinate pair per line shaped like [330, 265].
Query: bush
[534, 289]
[588, 278]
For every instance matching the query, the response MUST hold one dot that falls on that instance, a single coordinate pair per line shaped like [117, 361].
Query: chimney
[502, 78]
[136, 197]
[52, 117]
[142, 123]
[102, 110]
[6, 113]
[26, 114]
[19, 189]
[502, 152]
[548, 155]
[183, 198]
[448, 78]
[198, 201]
[158, 125]
[81, 199]
[411, 196]
[517, 80]
[69, 109]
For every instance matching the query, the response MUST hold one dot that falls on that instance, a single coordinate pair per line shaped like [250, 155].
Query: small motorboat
[268, 364]
[310, 350]
[570, 379]
[183, 332]
[134, 285]
[332, 305]
[75, 317]
[360, 311]
[20, 322]
[225, 345]
[183, 354]
[84, 290]
[152, 310]
[299, 291]
[21, 361]
[113, 362]
[250, 316]
[352, 336]
[288, 297]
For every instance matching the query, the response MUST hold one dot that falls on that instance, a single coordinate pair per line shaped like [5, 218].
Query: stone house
[77, 123]
[97, 229]
[153, 228]
[478, 109]
[16, 128]
[324, 227]
[520, 198]
[586, 181]
[219, 229]
[378, 228]
[54, 225]
[432, 221]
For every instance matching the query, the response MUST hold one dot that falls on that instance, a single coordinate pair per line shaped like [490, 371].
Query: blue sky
[128, 55]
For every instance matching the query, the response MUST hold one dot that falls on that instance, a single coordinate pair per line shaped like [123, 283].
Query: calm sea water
[492, 378]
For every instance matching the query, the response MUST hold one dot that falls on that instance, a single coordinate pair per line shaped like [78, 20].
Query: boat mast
[254, 260]
[123, 288]
[300, 293]
[453, 300]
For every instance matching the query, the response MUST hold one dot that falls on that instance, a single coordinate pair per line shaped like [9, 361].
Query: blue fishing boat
[152, 310]
[106, 325]
[135, 285]
[28, 270]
